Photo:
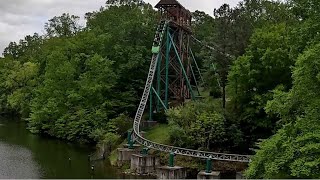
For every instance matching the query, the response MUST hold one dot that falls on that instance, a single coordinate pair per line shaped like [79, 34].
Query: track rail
[212, 48]
[165, 148]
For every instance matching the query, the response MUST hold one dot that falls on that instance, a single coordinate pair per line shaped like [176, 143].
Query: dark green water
[25, 155]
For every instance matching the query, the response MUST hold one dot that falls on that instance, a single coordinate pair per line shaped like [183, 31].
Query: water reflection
[25, 155]
[17, 162]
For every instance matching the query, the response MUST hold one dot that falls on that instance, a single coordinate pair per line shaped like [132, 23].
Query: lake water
[25, 155]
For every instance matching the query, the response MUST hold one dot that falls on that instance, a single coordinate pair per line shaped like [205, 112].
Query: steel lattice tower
[173, 75]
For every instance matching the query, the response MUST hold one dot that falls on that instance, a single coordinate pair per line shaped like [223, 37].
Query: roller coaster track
[137, 137]
[212, 48]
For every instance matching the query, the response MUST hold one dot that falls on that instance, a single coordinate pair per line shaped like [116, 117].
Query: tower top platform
[171, 3]
[172, 10]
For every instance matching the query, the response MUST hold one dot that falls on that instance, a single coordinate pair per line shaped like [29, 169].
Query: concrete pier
[124, 155]
[176, 172]
[239, 175]
[211, 175]
[144, 164]
[135, 146]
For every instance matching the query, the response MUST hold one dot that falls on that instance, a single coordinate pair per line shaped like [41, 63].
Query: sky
[19, 18]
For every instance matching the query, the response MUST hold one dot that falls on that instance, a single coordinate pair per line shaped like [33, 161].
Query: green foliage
[229, 33]
[17, 82]
[26, 49]
[305, 9]
[62, 26]
[200, 125]
[265, 65]
[22, 80]
[109, 141]
[76, 83]
[159, 134]
[294, 151]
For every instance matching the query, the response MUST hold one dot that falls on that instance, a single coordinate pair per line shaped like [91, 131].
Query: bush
[199, 125]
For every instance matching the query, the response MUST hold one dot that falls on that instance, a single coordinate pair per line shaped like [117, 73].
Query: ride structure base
[176, 172]
[211, 175]
[239, 175]
[144, 164]
[124, 155]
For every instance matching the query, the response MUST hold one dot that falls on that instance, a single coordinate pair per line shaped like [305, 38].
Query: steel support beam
[157, 95]
[182, 68]
[168, 48]
[150, 106]
[195, 79]
[159, 81]
[195, 62]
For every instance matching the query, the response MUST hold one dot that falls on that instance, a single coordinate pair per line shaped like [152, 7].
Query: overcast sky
[22, 17]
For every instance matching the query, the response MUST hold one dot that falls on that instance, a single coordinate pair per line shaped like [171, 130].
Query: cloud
[19, 18]
[206, 5]
[202, 5]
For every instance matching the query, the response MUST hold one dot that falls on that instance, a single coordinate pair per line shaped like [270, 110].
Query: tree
[21, 81]
[27, 47]
[65, 25]
[294, 151]
[87, 77]
[305, 9]
[264, 66]
[124, 2]
[223, 26]
[201, 125]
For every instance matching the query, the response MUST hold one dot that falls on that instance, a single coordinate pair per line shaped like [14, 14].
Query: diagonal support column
[182, 68]
[195, 79]
[160, 100]
[168, 48]
[195, 62]
[150, 108]
[159, 80]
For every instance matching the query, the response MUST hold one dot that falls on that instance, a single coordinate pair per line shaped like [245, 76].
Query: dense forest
[84, 83]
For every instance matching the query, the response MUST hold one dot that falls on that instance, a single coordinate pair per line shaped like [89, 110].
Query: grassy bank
[159, 134]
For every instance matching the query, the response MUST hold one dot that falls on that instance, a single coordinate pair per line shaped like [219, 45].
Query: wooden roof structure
[171, 3]
[168, 2]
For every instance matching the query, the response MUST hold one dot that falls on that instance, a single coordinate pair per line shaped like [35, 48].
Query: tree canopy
[71, 82]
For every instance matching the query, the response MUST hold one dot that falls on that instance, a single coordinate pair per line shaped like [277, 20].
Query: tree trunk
[224, 95]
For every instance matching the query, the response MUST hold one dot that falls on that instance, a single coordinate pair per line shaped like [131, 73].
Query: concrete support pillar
[176, 172]
[211, 175]
[135, 146]
[124, 155]
[144, 164]
[239, 175]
